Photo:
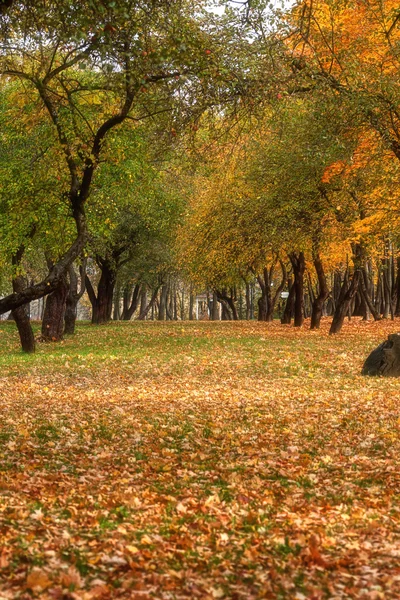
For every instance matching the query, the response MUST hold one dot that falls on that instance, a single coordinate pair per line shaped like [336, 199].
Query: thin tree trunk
[298, 265]
[323, 293]
[215, 308]
[73, 297]
[162, 311]
[289, 306]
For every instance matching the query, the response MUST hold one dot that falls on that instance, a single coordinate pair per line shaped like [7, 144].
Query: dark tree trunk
[162, 311]
[248, 302]
[183, 305]
[143, 299]
[387, 287]
[298, 265]
[289, 306]
[22, 319]
[130, 307]
[397, 287]
[105, 293]
[102, 303]
[116, 302]
[363, 286]
[228, 304]
[191, 306]
[267, 301]
[225, 313]
[344, 302]
[73, 297]
[323, 293]
[54, 312]
[143, 312]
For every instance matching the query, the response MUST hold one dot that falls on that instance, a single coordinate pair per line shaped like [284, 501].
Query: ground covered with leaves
[199, 460]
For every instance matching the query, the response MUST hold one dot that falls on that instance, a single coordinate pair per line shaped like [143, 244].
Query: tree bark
[54, 312]
[215, 308]
[298, 265]
[289, 306]
[162, 311]
[102, 303]
[22, 319]
[145, 310]
[344, 302]
[73, 297]
[323, 293]
[228, 304]
[130, 307]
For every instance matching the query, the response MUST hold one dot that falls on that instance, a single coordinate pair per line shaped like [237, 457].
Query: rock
[385, 359]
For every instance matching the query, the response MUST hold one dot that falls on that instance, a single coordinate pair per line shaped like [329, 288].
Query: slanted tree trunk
[344, 301]
[215, 308]
[21, 314]
[364, 291]
[146, 308]
[54, 312]
[298, 264]
[73, 297]
[228, 304]
[323, 293]
[23, 321]
[116, 313]
[131, 302]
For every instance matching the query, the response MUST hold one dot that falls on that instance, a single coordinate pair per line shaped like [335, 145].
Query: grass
[199, 460]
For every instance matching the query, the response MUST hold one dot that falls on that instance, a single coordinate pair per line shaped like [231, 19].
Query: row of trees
[144, 145]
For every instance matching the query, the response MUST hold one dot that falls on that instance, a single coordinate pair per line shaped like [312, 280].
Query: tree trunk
[366, 296]
[105, 293]
[397, 288]
[73, 297]
[323, 293]
[144, 311]
[248, 302]
[54, 312]
[117, 311]
[289, 306]
[191, 306]
[298, 265]
[344, 302]
[162, 311]
[130, 307]
[102, 303]
[228, 305]
[215, 308]
[22, 319]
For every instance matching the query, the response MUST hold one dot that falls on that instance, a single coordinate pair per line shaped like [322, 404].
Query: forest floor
[199, 460]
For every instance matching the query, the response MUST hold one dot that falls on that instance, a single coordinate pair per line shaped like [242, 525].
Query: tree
[89, 70]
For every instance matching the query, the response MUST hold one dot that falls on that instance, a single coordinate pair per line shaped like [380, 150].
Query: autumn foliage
[199, 461]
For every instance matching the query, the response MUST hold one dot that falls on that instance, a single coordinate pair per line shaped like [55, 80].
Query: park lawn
[199, 460]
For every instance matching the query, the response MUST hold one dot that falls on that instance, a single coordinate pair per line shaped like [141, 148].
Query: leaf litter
[203, 460]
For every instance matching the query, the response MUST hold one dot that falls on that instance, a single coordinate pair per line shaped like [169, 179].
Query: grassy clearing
[199, 460]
